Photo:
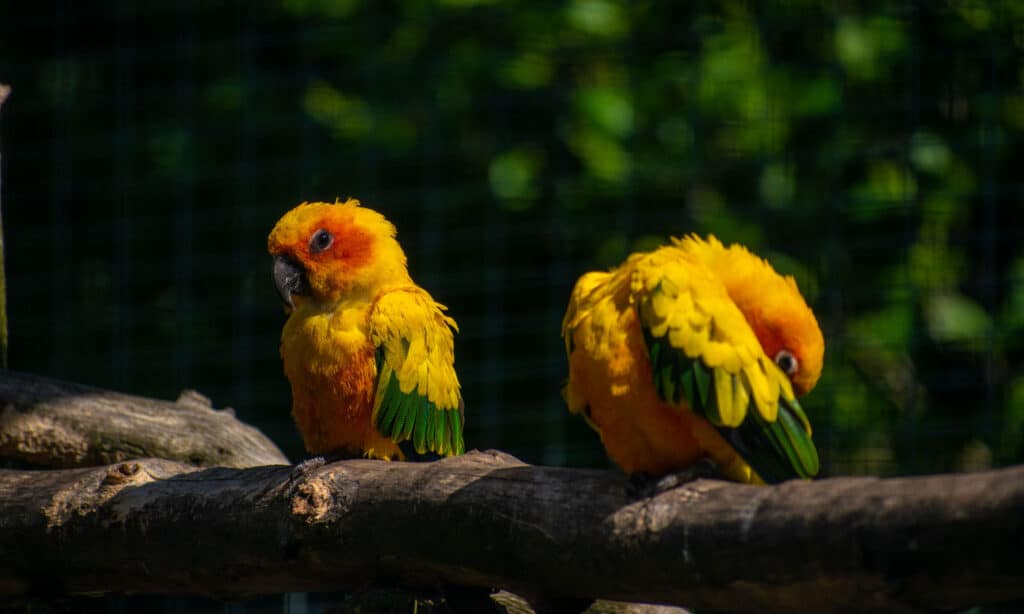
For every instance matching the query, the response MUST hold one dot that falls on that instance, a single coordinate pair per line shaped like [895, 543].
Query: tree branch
[485, 519]
[60, 424]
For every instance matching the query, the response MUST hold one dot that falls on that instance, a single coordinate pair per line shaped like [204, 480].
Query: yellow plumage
[693, 318]
[369, 354]
[413, 332]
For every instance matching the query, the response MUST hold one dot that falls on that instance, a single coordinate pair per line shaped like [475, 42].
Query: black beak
[289, 278]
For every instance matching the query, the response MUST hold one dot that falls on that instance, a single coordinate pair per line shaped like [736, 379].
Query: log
[54, 423]
[944, 542]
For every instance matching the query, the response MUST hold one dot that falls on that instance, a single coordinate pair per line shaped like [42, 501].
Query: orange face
[325, 250]
[790, 336]
[773, 306]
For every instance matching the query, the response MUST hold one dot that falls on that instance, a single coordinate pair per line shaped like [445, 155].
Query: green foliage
[870, 150]
[514, 178]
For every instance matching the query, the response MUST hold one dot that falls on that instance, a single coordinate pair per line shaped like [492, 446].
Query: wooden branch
[60, 424]
[942, 542]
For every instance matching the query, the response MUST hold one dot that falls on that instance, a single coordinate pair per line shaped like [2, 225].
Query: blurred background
[871, 149]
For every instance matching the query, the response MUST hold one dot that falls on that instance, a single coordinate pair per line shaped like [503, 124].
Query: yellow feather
[771, 379]
[357, 303]
[663, 301]
[758, 386]
[418, 342]
[723, 394]
[786, 388]
[657, 324]
[687, 296]
[716, 354]
[740, 395]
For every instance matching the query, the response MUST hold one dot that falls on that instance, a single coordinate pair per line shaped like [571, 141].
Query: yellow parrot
[695, 350]
[368, 353]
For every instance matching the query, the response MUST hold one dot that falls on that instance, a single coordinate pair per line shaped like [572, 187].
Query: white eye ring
[787, 362]
[320, 241]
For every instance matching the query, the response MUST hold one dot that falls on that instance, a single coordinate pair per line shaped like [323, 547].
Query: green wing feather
[411, 416]
[778, 450]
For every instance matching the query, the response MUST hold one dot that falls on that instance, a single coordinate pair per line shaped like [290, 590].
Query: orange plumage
[693, 350]
[368, 353]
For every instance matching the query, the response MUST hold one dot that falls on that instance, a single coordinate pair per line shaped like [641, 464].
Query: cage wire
[871, 152]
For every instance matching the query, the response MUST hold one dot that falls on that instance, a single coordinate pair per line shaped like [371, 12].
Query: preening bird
[368, 353]
[695, 350]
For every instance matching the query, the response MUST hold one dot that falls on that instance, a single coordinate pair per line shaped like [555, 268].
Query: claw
[643, 486]
[307, 467]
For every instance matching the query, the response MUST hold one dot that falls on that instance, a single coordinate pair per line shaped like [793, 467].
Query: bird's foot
[642, 486]
[307, 467]
[313, 463]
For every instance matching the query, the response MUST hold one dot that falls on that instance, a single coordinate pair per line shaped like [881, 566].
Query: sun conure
[368, 353]
[695, 350]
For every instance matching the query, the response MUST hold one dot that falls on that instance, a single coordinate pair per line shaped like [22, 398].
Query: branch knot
[312, 501]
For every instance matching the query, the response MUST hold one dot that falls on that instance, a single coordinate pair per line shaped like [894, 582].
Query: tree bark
[942, 542]
[60, 424]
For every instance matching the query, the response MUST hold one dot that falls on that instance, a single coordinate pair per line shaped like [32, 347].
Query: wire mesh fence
[870, 150]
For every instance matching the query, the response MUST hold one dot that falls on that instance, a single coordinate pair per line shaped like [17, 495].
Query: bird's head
[325, 252]
[772, 305]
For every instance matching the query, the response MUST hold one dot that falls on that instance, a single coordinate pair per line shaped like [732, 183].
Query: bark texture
[60, 424]
[941, 542]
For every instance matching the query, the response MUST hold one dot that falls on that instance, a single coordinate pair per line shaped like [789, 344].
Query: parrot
[368, 353]
[693, 352]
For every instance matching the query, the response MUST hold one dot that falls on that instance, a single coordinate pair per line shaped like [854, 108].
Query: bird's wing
[417, 395]
[581, 306]
[705, 357]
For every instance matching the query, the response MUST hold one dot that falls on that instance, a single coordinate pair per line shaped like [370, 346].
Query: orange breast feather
[665, 365]
[640, 432]
[333, 380]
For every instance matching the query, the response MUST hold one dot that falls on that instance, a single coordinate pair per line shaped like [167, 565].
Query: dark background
[873, 149]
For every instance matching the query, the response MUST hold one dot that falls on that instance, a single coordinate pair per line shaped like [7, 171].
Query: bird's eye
[787, 362]
[321, 240]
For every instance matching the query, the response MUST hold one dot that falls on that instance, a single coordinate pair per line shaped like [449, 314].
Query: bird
[695, 352]
[369, 355]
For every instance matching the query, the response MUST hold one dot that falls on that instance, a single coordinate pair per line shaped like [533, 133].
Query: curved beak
[290, 279]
